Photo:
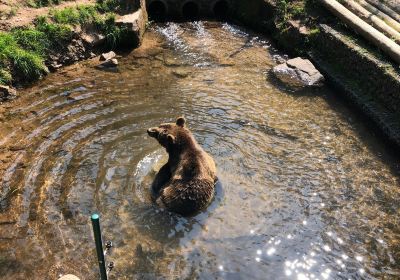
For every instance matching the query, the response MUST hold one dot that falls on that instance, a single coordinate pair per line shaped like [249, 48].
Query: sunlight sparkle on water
[302, 276]
[270, 251]
[221, 267]
[326, 248]
[326, 273]
[359, 258]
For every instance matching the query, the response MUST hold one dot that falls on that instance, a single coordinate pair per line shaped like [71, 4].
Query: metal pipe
[99, 246]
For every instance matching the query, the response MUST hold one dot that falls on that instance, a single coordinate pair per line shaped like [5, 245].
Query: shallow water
[306, 190]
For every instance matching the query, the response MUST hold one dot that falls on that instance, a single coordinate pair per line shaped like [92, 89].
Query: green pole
[99, 246]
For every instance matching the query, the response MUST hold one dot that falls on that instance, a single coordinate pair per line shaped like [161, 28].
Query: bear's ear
[171, 139]
[180, 121]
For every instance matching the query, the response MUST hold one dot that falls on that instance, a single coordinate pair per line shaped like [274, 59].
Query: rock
[107, 56]
[181, 73]
[93, 39]
[68, 277]
[135, 25]
[7, 92]
[298, 72]
[53, 66]
[111, 63]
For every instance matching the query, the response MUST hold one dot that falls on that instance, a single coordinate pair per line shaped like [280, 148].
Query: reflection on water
[306, 191]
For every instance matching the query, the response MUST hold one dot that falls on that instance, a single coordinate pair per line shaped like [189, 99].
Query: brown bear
[186, 183]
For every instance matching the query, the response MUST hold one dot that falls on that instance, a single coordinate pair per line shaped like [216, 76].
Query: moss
[5, 77]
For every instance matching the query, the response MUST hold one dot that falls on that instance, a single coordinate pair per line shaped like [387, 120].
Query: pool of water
[306, 190]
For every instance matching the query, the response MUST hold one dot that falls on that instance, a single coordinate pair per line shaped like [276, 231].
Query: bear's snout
[152, 132]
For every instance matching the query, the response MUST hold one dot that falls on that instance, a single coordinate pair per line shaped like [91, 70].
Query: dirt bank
[17, 14]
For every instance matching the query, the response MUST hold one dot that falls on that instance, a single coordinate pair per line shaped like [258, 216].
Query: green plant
[56, 33]
[113, 33]
[32, 39]
[105, 6]
[45, 3]
[282, 10]
[13, 11]
[28, 64]
[75, 15]
[31, 3]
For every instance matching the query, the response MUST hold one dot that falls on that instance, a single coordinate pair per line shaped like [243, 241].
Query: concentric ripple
[305, 190]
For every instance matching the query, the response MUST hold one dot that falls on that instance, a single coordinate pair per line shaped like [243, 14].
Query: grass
[27, 64]
[107, 6]
[75, 15]
[23, 51]
[43, 3]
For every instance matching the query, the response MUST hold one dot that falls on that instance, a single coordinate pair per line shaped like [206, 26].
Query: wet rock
[110, 63]
[69, 277]
[107, 56]
[15, 148]
[135, 25]
[7, 93]
[74, 52]
[181, 73]
[53, 66]
[298, 72]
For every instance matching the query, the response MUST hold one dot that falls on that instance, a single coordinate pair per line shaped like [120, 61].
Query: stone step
[366, 77]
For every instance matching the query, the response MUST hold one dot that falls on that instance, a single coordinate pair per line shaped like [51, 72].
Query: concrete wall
[184, 9]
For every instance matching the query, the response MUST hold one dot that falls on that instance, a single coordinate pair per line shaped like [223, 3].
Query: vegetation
[42, 3]
[23, 51]
[295, 9]
[26, 63]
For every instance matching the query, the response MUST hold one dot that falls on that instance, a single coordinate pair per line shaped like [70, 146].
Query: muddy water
[306, 190]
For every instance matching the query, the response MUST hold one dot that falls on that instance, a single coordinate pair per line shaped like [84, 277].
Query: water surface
[306, 190]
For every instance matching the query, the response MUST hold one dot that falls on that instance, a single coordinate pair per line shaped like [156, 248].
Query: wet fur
[186, 183]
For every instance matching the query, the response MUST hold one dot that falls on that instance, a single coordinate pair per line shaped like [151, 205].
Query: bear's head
[168, 134]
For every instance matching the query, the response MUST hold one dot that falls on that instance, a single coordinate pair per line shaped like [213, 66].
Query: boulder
[107, 56]
[298, 72]
[93, 39]
[134, 24]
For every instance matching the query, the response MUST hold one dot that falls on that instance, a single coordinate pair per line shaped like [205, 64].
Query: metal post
[99, 246]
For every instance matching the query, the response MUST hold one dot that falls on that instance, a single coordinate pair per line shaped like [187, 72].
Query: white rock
[107, 56]
[69, 277]
[298, 72]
